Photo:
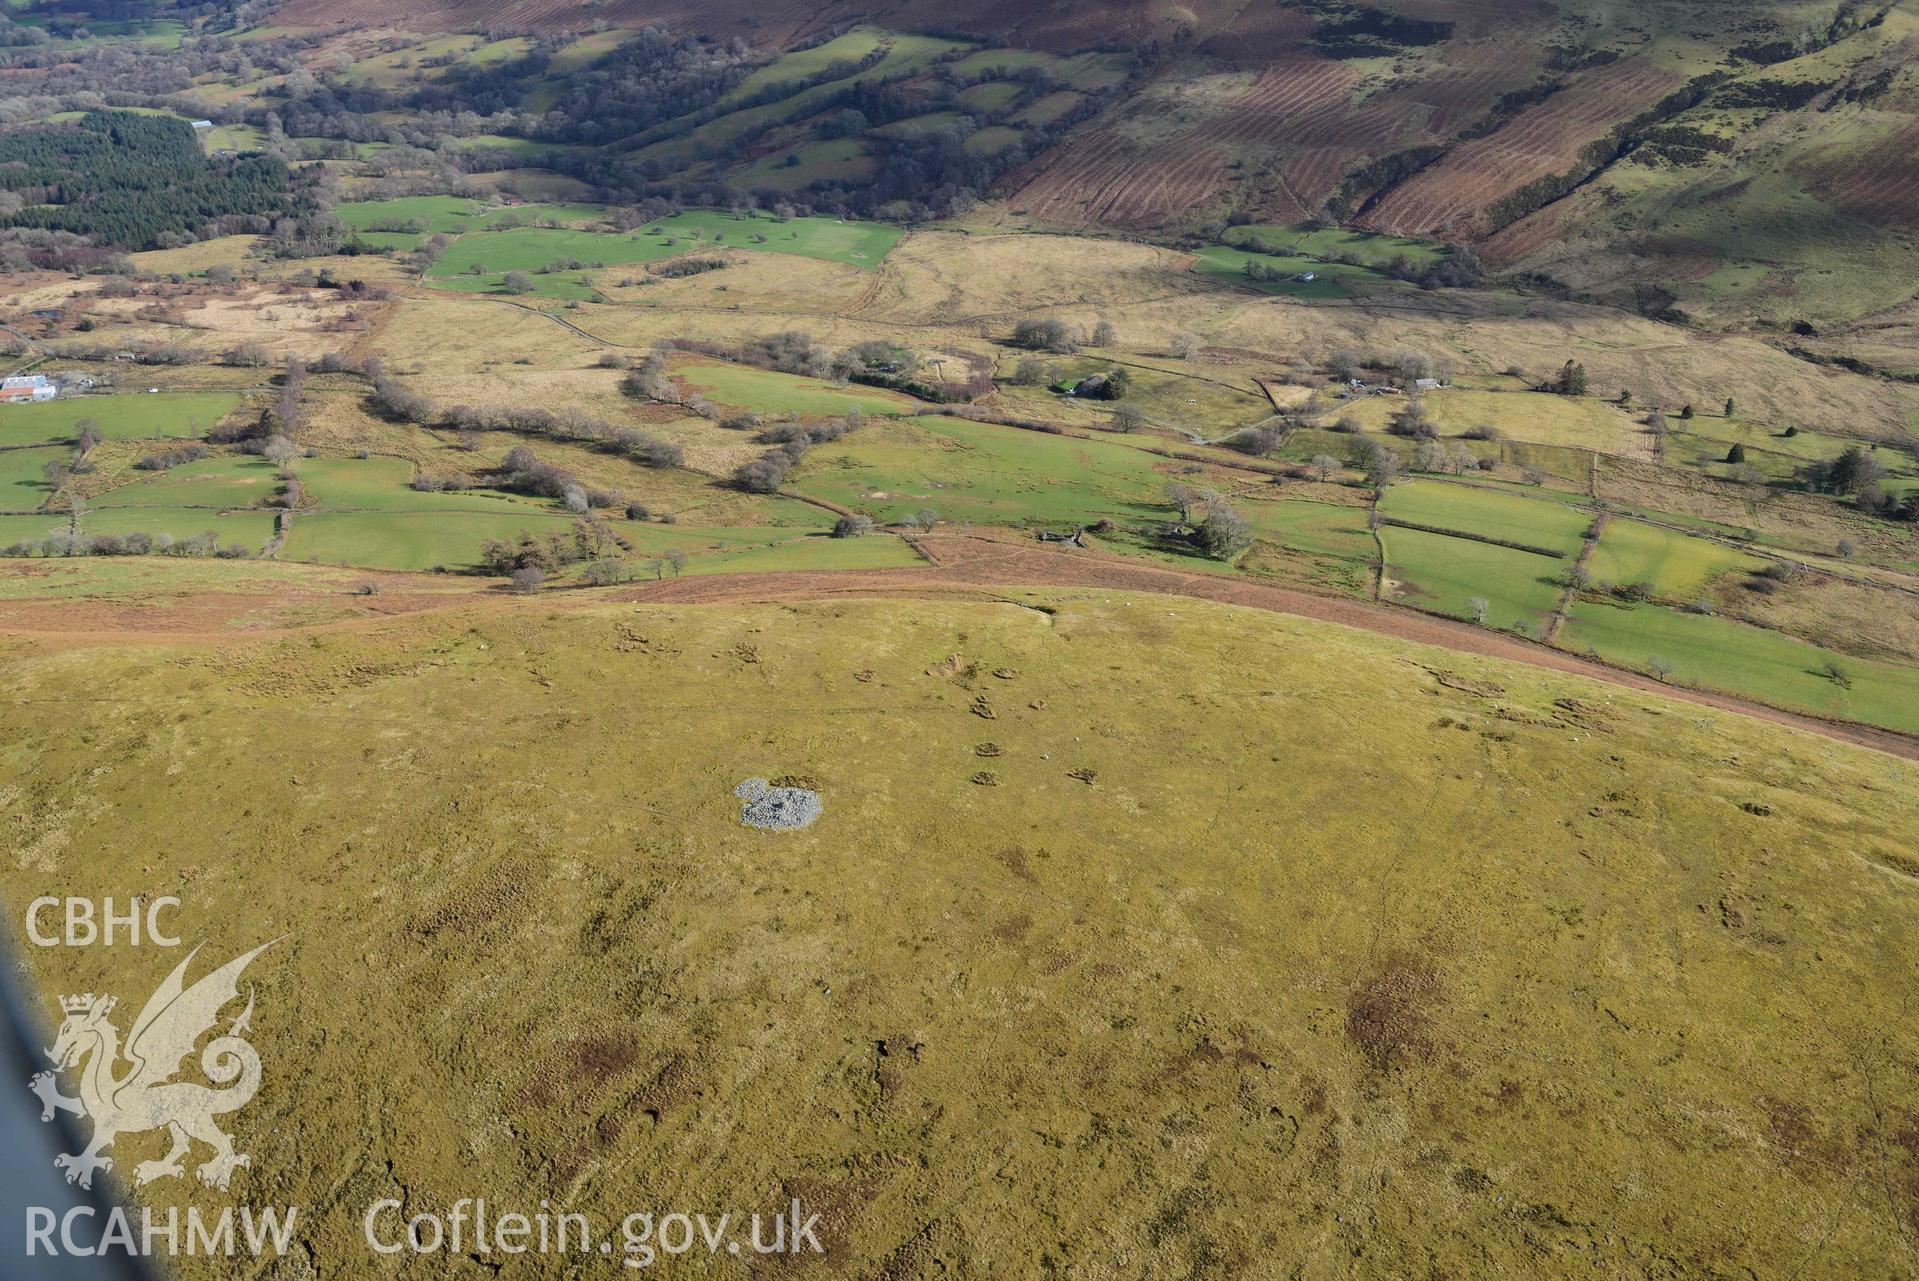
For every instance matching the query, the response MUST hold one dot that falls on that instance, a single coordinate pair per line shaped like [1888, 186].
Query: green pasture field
[1044, 111]
[907, 53]
[1741, 659]
[1371, 248]
[814, 551]
[164, 33]
[1005, 59]
[214, 484]
[993, 139]
[522, 147]
[1537, 417]
[1223, 262]
[531, 249]
[249, 529]
[860, 244]
[394, 70]
[802, 64]
[449, 529]
[830, 159]
[991, 95]
[1322, 529]
[585, 51]
[1492, 514]
[231, 138]
[415, 540]
[22, 486]
[479, 263]
[982, 472]
[397, 241]
[1094, 69]
[1676, 564]
[452, 215]
[930, 121]
[497, 51]
[124, 416]
[1705, 442]
[383, 485]
[1441, 573]
[770, 392]
[1166, 396]
[22, 528]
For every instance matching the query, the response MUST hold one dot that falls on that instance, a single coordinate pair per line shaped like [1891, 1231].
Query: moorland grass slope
[1306, 945]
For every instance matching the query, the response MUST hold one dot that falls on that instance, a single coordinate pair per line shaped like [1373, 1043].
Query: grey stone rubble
[779, 808]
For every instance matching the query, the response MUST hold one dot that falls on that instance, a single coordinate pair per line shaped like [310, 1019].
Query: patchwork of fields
[1032, 629]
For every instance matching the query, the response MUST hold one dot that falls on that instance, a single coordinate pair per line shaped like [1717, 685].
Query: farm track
[959, 566]
[969, 564]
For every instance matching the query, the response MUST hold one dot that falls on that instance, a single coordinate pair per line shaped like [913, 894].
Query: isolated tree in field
[527, 578]
[923, 519]
[1685, 413]
[1129, 418]
[1324, 466]
[1183, 497]
[277, 449]
[1737, 454]
[1847, 548]
[1569, 381]
[854, 526]
[676, 561]
[517, 282]
[1104, 335]
[1477, 609]
[1382, 467]
[1729, 407]
[1184, 346]
[1659, 667]
[1225, 532]
[1029, 372]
